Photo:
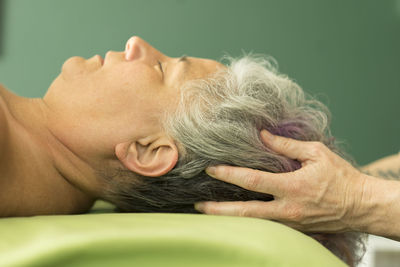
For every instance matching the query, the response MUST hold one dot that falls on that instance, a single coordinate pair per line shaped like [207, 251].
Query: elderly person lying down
[138, 129]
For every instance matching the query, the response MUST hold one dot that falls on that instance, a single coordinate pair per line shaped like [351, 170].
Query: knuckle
[252, 182]
[244, 212]
[210, 209]
[294, 188]
[317, 148]
[295, 214]
[285, 144]
[227, 172]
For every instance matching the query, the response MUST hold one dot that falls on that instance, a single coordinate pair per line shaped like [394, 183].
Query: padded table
[104, 238]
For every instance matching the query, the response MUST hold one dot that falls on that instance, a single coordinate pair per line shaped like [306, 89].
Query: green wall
[346, 52]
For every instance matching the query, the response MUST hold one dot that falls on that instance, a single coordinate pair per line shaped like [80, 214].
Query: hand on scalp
[323, 195]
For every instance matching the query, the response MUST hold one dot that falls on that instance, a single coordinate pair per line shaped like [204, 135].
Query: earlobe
[150, 156]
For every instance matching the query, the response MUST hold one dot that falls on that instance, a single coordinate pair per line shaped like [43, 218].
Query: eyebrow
[183, 58]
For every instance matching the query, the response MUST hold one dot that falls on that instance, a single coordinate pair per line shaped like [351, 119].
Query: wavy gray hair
[218, 121]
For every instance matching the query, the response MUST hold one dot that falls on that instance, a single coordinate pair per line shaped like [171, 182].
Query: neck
[44, 176]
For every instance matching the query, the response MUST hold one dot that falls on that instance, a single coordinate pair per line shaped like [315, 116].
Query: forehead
[203, 67]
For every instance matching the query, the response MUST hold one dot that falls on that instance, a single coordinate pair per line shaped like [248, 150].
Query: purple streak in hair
[290, 129]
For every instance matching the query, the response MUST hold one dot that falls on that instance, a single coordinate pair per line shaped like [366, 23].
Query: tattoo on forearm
[386, 174]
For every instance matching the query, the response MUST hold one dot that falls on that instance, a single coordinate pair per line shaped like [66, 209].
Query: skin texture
[326, 195]
[93, 115]
[387, 167]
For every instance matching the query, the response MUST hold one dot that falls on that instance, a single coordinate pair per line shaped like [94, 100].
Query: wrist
[379, 207]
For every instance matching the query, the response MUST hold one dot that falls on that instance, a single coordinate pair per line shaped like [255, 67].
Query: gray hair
[218, 121]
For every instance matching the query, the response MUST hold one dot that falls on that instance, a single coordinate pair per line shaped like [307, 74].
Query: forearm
[379, 211]
[387, 168]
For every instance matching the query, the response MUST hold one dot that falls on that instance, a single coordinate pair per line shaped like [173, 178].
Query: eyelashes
[161, 68]
[160, 65]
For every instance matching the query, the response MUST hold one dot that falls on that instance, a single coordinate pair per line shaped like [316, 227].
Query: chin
[73, 66]
[72, 61]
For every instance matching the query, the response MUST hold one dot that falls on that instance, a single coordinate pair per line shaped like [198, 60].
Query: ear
[150, 156]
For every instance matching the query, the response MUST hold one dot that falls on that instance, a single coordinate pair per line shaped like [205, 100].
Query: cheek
[128, 83]
[129, 76]
[109, 93]
[121, 90]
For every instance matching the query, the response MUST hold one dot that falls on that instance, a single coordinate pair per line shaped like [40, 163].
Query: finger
[288, 147]
[256, 209]
[253, 180]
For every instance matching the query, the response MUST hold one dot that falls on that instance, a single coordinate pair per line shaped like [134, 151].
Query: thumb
[288, 147]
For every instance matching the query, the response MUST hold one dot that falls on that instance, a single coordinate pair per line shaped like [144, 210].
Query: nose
[137, 48]
[132, 48]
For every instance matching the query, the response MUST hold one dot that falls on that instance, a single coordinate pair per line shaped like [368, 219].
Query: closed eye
[160, 65]
[161, 68]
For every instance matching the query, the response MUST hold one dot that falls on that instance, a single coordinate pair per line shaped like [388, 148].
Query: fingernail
[211, 171]
[267, 135]
[199, 206]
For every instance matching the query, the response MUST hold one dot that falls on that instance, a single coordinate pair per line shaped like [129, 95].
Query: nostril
[128, 44]
[132, 49]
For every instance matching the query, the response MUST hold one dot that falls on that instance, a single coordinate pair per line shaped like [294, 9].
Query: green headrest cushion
[140, 239]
